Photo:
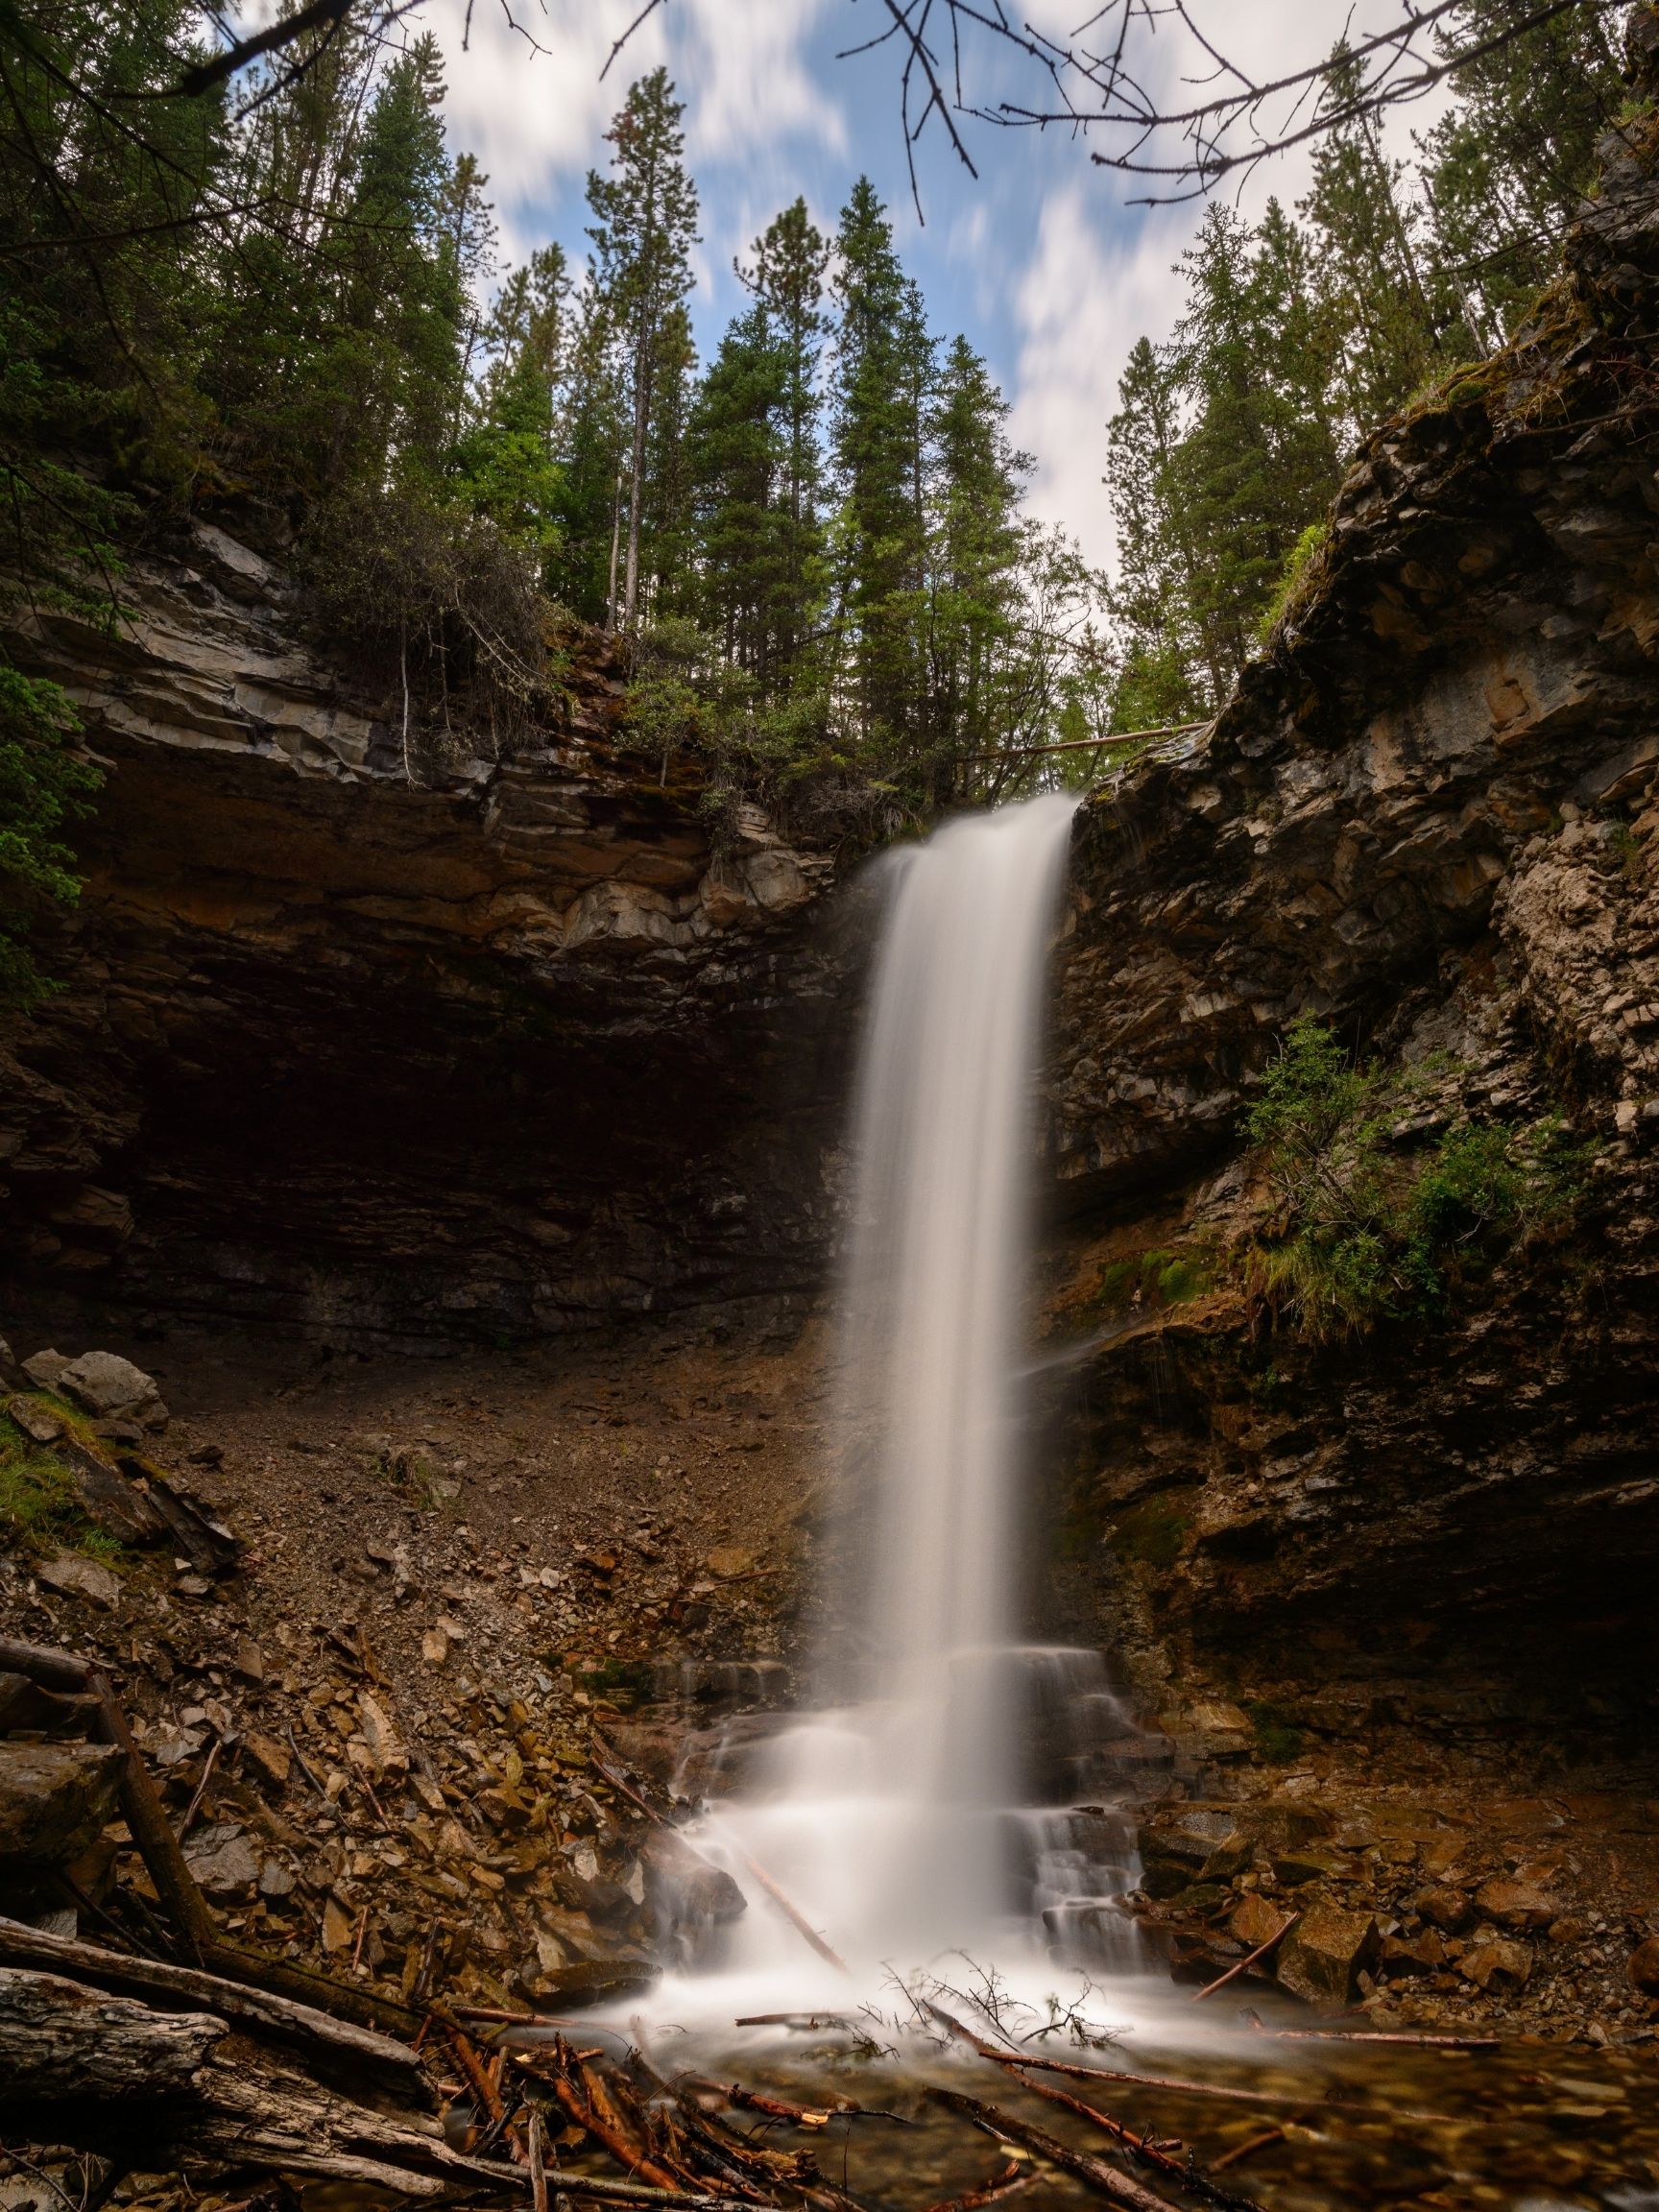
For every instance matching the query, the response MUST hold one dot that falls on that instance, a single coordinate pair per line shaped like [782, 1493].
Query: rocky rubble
[1470, 1911]
[419, 1793]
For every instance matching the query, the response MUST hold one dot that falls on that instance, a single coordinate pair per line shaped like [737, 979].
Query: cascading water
[892, 1816]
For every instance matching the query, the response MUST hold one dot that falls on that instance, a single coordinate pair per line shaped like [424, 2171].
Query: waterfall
[891, 1814]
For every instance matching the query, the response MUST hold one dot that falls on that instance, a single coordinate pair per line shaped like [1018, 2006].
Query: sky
[1042, 261]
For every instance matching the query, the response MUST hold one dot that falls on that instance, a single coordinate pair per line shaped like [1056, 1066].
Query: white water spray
[894, 1817]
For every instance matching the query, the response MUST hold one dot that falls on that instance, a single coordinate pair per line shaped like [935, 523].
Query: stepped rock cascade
[904, 1816]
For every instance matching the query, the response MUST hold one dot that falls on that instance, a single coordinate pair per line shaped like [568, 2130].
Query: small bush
[1372, 1230]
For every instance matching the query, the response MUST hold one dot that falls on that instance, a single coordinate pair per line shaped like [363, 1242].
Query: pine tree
[1166, 676]
[1505, 170]
[738, 449]
[883, 362]
[974, 565]
[1374, 283]
[645, 224]
[791, 260]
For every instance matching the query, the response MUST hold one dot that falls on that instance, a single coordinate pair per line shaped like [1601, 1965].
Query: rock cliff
[482, 1047]
[1429, 817]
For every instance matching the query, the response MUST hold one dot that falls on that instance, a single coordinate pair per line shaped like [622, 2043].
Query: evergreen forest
[284, 294]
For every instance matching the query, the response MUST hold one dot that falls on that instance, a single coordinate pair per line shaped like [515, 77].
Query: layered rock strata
[1429, 817]
[394, 1052]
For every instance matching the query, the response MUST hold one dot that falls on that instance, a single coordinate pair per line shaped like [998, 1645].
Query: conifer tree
[644, 227]
[791, 260]
[883, 361]
[1507, 166]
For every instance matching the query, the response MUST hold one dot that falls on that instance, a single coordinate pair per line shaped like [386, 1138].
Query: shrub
[1371, 1231]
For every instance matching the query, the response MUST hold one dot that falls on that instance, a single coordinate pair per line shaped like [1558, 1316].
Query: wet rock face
[488, 1047]
[1429, 817]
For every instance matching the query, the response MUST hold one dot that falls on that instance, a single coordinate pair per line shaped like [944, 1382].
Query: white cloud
[1080, 305]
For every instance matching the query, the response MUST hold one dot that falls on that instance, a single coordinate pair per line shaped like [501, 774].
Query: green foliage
[1301, 333]
[39, 1503]
[1371, 1230]
[1154, 1280]
[1293, 577]
[44, 784]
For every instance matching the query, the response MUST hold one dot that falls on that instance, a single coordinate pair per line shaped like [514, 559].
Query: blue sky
[1042, 261]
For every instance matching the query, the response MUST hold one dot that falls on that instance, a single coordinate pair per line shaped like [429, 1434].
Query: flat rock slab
[53, 1799]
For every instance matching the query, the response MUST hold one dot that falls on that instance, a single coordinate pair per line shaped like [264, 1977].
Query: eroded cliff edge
[1429, 818]
[472, 1048]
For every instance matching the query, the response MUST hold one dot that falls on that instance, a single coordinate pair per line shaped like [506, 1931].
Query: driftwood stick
[1013, 2176]
[1161, 2155]
[201, 1789]
[1396, 2035]
[185, 1988]
[1243, 2151]
[798, 2020]
[779, 2108]
[1175, 2086]
[536, 2147]
[797, 1920]
[1243, 1965]
[572, 2094]
[1094, 2172]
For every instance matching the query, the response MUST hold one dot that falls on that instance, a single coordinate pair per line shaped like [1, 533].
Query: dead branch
[1244, 1964]
[1013, 2176]
[1094, 2172]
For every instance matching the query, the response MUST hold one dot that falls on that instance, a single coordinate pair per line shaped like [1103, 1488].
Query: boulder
[1323, 1956]
[682, 1889]
[24, 1704]
[1642, 1968]
[1188, 1843]
[112, 1388]
[1496, 1963]
[1517, 1905]
[590, 1982]
[11, 1368]
[43, 1369]
[1403, 1957]
[53, 1799]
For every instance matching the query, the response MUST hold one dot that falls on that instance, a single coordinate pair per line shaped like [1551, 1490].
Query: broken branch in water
[797, 1920]
[1243, 1965]
[1426, 2042]
[1013, 2176]
[779, 2108]
[1156, 2153]
[1007, 2127]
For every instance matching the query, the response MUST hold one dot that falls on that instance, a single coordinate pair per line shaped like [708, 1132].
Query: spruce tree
[791, 260]
[883, 360]
[1507, 169]
[644, 227]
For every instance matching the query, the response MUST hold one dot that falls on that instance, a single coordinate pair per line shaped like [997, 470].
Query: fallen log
[1394, 2035]
[184, 1988]
[1093, 2172]
[104, 2073]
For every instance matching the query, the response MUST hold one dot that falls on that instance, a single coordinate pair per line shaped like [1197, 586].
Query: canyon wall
[404, 1053]
[1428, 818]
